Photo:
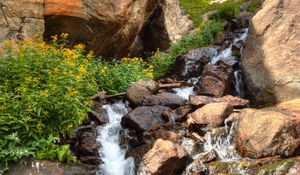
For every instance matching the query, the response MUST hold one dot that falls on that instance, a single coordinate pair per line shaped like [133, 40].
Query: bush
[116, 76]
[227, 10]
[196, 8]
[253, 4]
[162, 61]
[45, 94]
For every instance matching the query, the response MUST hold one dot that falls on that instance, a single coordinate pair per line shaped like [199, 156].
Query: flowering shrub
[116, 76]
[45, 93]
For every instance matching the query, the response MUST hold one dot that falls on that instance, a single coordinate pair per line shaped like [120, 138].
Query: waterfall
[222, 143]
[111, 153]
[184, 92]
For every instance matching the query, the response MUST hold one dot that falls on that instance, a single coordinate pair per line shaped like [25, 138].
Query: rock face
[144, 118]
[271, 57]
[212, 114]
[166, 25]
[21, 19]
[268, 132]
[165, 158]
[216, 80]
[138, 90]
[108, 27]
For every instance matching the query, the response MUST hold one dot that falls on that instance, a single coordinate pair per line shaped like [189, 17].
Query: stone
[21, 19]
[167, 24]
[270, 59]
[191, 63]
[138, 90]
[212, 114]
[163, 99]
[216, 80]
[243, 19]
[110, 28]
[166, 135]
[178, 114]
[144, 118]
[85, 145]
[268, 132]
[165, 158]
[201, 100]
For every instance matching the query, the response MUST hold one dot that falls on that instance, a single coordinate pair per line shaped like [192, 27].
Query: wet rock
[138, 152]
[216, 80]
[191, 64]
[138, 90]
[165, 158]
[163, 99]
[196, 168]
[179, 114]
[224, 39]
[86, 146]
[270, 59]
[233, 101]
[207, 157]
[166, 135]
[212, 114]
[268, 132]
[32, 166]
[144, 118]
[243, 19]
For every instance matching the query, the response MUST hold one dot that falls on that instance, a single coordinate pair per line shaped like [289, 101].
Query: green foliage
[227, 10]
[253, 4]
[196, 8]
[116, 76]
[162, 61]
[45, 94]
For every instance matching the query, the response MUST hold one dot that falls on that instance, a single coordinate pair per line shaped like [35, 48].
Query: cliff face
[110, 28]
[271, 58]
[21, 19]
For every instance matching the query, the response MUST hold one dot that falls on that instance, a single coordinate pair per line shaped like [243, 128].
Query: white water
[112, 155]
[184, 92]
[222, 143]
[226, 55]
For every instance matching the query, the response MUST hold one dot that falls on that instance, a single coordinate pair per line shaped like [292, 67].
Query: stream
[113, 155]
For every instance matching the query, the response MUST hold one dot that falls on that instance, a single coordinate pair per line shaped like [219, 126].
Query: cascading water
[111, 153]
[222, 143]
[184, 92]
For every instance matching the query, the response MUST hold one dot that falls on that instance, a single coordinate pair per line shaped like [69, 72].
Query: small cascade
[184, 92]
[222, 142]
[239, 84]
[226, 54]
[111, 153]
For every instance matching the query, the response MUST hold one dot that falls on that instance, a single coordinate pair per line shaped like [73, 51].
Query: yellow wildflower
[54, 38]
[55, 69]
[82, 69]
[78, 77]
[79, 46]
[64, 35]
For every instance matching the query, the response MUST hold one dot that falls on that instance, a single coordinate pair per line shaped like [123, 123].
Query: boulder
[165, 158]
[212, 114]
[138, 90]
[243, 19]
[216, 80]
[108, 27]
[165, 26]
[178, 114]
[144, 118]
[191, 64]
[164, 99]
[201, 100]
[268, 132]
[270, 59]
[85, 145]
[21, 19]
[166, 135]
